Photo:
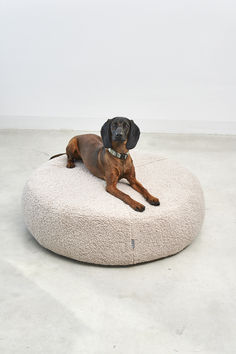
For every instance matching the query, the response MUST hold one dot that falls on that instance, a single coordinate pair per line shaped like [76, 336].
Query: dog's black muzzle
[119, 135]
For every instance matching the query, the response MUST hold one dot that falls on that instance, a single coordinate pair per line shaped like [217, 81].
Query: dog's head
[120, 129]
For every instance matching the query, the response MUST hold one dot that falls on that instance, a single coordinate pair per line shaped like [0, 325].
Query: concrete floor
[181, 304]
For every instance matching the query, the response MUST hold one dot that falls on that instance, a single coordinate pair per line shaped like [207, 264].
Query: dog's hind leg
[73, 153]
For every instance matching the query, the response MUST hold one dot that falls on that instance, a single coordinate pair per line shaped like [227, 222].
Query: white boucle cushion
[69, 212]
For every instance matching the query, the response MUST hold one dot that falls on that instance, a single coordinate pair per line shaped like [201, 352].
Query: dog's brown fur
[90, 149]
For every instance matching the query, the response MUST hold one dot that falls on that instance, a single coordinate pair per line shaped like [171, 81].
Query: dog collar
[121, 156]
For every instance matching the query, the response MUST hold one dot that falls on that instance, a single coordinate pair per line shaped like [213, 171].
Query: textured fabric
[69, 212]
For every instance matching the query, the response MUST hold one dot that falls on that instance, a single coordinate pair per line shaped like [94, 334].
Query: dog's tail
[52, 157]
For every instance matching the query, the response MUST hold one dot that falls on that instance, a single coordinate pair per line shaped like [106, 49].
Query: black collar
[121, 156]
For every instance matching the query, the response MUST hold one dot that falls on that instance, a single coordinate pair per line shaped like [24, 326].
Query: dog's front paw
[153, 201]
[138, 207]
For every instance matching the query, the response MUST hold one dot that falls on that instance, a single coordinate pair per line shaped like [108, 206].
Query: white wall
[169, 65]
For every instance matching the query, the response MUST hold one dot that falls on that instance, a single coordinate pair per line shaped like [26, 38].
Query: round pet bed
[69, 212]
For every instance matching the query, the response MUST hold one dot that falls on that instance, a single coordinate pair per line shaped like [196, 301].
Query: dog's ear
[106, 134]
[133, 136]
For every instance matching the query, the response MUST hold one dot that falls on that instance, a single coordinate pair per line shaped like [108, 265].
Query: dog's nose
[118, 134]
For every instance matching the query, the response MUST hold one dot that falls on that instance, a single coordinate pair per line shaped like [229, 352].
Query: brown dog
[108, 157]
